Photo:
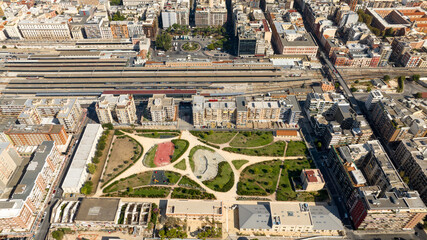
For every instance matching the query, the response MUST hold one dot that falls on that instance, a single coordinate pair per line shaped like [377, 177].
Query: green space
[185, 193]
[149, 192]
[259, 179]
[125, 151]
[135, 180]
[224, 180]
[190, 46]
[87, 188]
[159, 135]
[164, 41]
[400, 84]
[180, 146]
[193, 150]
[275, 149]
[249, 139]
[239, 163]
[292, 169]
[181, 165]
[59, 233]
[187, 182]
[173, 177]
[149, 157]
[296, 148]
[216, 137]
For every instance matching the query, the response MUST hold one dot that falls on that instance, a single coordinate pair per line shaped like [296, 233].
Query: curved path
[147, 143]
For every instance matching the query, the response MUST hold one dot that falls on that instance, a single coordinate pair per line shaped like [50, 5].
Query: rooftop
[97, 210]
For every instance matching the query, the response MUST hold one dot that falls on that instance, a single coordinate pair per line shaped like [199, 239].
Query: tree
[211, 46]
[418, 95]
[91, 168]
[368, 89]
[337, 85]
[353, 89]
[4, 46]
[210, 132]
[386, 78]
[108, 126]
[416, 77]
[115, 2]
[58, 234]
[164, 41]
[87, 188]
[357, 81]
[319, 144]
[389, 32]
[400, 82]
[118, 16]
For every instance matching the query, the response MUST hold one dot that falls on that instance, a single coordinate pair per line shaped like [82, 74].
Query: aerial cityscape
[213, 119]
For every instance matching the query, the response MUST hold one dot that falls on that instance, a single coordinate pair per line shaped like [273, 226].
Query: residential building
[398, 119]
[77, 173]
[372, 190]
[119, 29]
[410, 161]
[374, 97]
[116, 109]
[10, 160]
[161, 108]
[33, 135]
[19, 212]
[210, 13]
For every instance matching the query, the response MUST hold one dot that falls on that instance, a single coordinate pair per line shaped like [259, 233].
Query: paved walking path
[147, 143]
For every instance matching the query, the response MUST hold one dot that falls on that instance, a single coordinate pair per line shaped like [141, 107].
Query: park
[226, 165]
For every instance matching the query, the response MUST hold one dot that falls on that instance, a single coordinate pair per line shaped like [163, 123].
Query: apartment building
[241, 111]
[374, 97]
[175, 12]
[33, 135]
[116, 109]
[411, 161]
[373, 192]
[10, 160]
[210, 13]
[19, 212]
[57, 28]
[161, 108]
[11, 107]
[398, 119]
[119, 29]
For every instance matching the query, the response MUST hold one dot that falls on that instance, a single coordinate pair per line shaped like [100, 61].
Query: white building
[374, 96]
[45, 29]
[77, 174]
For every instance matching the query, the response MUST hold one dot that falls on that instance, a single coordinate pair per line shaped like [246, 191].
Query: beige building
[9, 162]
[56, 28]
[312, 180]
[161, 108]
[213, 113]
[116, 109]
[194, 209]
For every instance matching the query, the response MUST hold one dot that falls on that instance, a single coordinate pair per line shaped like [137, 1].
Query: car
[54, 191]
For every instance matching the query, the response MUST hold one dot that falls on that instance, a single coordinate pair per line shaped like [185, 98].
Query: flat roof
[97, 210]
[26, 185]
[196, 207]
[82, 156]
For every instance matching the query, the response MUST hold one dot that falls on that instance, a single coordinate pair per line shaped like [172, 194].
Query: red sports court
[163, 154]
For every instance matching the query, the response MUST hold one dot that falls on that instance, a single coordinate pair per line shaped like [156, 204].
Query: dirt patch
[123, 150]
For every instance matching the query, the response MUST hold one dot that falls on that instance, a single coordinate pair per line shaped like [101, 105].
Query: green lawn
[149, 157]
[173, 177]
[217, 137]
[148, 192]
[187, 182]
[274, 150]
[292, 169]
[239, 163]
[224, 180]
[252, 139]
[159, 135]
[181, 165]
[180, 147]
[133, 181]
[185, 193]
[259, 179]
[297, 148]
